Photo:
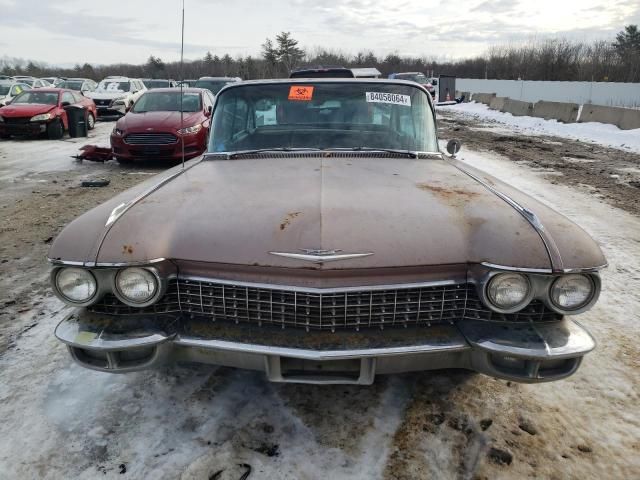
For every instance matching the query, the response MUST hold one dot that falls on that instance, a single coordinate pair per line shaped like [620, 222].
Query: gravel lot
[199, 422]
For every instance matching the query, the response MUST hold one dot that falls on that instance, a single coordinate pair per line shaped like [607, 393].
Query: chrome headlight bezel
[593, 297]
[489, 302]
[59, 293]
[159, 287]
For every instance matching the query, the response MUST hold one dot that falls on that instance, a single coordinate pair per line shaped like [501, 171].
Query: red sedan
[153, 128]
[42, 110]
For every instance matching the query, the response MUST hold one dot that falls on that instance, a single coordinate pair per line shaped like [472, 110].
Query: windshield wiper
[409, 153]
[273, 149]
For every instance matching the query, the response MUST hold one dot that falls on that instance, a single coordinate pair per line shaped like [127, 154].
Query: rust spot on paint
[127, 249]
[287, 220]
[447, 192]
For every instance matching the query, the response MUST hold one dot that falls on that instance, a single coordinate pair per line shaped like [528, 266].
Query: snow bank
[598, 133]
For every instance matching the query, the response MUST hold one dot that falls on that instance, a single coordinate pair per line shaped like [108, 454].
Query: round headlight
[508, 290]
[76, 285]
[571, 292]
[136, 285]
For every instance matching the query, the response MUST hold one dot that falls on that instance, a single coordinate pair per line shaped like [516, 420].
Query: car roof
[297, 81]
[77, 79]
[218, 78]
[177, 90]
[328, 80]
[298, 73]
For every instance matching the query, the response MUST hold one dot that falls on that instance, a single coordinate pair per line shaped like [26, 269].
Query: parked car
[83, 85]
[42, 110]
[9, 89]
[116, 95]
[417, 77]
[215, 84]
[155, 127]
[322, 72]
[158, 83]
[55, 81]
[329, 245]
[34, 82]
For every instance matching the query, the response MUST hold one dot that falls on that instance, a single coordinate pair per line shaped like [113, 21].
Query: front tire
[55, 130]
[91, 121]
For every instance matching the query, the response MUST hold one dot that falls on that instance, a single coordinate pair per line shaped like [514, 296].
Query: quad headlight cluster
[510, 292]
[134, 286]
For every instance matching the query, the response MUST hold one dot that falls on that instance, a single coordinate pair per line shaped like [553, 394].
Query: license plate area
[359, 371]
[151, 150]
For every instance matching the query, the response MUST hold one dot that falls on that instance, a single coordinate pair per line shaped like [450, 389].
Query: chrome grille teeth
[409, 306]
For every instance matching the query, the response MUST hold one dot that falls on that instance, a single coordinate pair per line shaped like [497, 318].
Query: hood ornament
[320, 255]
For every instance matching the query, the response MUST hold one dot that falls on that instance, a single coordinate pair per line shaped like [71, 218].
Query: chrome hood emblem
[320, 256]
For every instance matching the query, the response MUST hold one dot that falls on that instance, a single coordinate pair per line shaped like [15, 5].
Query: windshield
[414, 77]
[323, 116]
[214, 86]
[167, 102]
[156, 83]
[113, 86]
[4, 89]
[34, 96]
[72, 85]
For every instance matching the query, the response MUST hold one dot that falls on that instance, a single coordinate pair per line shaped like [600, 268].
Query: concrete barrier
[517, 108]
[630, 119]
[623, 118]
[563, 112]
[497, 103]
[483, 97]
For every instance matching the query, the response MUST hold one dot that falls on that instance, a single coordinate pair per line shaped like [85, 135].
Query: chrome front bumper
[519, 352]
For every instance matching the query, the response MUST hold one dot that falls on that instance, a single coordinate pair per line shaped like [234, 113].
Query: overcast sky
[66, 32]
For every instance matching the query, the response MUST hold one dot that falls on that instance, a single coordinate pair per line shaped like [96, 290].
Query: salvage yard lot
[201, 422]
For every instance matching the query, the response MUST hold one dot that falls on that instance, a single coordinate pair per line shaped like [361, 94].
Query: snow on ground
[21, 156]
[593, 132]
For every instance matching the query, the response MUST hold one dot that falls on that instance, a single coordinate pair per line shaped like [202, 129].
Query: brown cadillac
[325, 238]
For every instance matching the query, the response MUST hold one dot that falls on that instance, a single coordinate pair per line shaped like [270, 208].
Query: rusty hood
[401, 211]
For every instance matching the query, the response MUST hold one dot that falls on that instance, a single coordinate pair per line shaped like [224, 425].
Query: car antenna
[182, 85]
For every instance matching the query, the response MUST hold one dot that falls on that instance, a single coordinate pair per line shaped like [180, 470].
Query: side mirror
[209, 110]
[453, 147]
[65, 104]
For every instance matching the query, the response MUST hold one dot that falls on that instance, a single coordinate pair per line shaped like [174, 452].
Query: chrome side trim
[534, 221]
[121, 209]
[60, 262]
[516, 269]
[124, 207]
[543, 270]
[585, 269]
[322, 258]
[292, 288]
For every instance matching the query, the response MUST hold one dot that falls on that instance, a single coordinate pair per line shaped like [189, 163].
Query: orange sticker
[301, 93]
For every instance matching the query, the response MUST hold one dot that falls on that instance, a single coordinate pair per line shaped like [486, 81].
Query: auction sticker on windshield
[392, 98]
[301, 93]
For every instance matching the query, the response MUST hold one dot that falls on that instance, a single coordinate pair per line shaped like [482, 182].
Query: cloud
[120, 28]
[496, 6]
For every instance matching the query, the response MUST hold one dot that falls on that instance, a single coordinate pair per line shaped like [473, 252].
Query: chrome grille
[348, 309]
[150, 139]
